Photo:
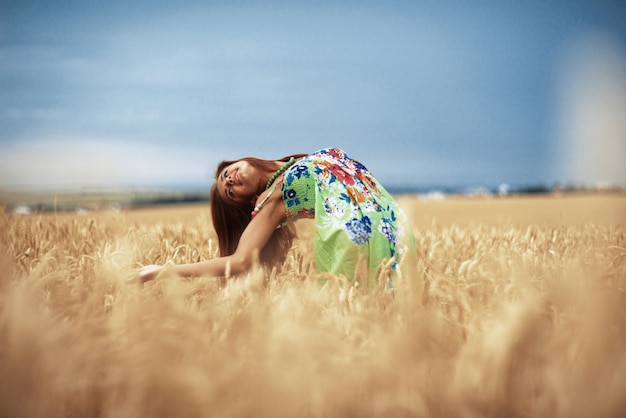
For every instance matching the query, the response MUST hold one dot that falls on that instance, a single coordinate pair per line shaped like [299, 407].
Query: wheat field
[513, 307]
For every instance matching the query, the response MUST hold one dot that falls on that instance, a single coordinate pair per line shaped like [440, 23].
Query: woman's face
[238, 183]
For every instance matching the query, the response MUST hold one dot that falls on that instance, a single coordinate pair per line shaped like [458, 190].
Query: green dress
[355, 217]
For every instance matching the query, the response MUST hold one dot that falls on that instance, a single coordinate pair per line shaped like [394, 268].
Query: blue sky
[423, 93]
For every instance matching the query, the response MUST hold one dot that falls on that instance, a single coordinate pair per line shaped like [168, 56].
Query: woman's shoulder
[270, 198]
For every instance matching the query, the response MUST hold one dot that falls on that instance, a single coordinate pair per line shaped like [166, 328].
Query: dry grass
[502, 316]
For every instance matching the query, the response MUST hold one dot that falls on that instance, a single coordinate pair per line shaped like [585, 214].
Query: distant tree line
[169, 199]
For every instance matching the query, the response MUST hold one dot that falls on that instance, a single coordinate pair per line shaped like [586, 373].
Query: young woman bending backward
[254, 201]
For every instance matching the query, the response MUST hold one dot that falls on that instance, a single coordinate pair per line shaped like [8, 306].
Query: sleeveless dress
[355, 217]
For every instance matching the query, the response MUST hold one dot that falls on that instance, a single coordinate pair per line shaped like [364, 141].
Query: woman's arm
[254, 238]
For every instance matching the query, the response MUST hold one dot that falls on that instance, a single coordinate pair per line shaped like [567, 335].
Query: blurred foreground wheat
[517, 321]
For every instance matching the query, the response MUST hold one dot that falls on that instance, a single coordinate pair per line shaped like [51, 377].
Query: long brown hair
[230, 220]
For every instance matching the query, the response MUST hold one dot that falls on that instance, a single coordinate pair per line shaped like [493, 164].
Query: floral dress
[355, 217]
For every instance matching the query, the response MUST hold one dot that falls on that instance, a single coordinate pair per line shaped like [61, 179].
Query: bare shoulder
[271, 200]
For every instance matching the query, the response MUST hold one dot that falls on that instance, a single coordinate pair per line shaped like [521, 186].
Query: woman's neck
[267, 174]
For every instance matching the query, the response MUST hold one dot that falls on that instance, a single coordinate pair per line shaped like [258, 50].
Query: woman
[254, 201]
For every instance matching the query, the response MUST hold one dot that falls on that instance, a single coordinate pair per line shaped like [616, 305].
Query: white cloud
[52, 163]
[593, 118]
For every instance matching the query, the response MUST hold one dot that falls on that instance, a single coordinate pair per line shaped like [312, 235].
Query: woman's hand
[146, 273]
